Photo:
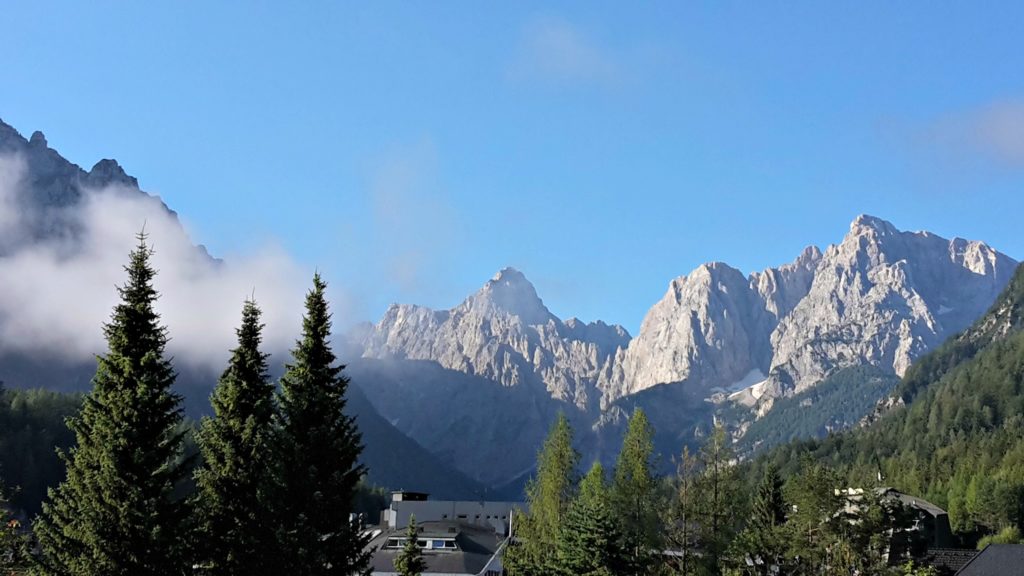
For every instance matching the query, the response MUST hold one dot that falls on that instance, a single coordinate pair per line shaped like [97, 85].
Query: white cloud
[57, 293]
[999, 130]
[993, 133]
[554, 50]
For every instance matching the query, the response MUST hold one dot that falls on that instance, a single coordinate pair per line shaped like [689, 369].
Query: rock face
[881, 297]
[713, 327]
[51, 186]
[503, 333]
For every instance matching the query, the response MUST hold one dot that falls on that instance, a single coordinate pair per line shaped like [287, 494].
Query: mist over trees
[279, 475]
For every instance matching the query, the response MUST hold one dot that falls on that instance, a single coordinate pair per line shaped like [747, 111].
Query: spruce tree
[548, 496]
[115, 514]
[590, 542]
[318, 450]
[237, 534]
[410, 561]
[634, 494]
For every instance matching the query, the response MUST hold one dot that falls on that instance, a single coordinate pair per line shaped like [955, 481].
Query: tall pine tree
[318, 451]
[234, 483]
[590, 542]
[548, 495]
[635, 493]
[115, 514]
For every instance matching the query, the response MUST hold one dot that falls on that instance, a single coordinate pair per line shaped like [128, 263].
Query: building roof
[913, 501]
[477, 545]
[949, 560]
[996, 560]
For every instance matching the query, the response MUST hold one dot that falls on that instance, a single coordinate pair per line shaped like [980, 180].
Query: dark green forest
[840, 401]
[32, 426]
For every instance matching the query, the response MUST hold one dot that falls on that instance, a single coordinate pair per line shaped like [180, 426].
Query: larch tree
[116, 514]
[548, 496]
[719, 498]
[317, 449]
[590, 542]
[635, 494]
[234, 485]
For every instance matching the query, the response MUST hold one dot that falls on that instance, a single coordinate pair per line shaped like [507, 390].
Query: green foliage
[234, 483]
[635, 494]
[590, 542]
[718, 499]
[410, 561]
[548, 496]
[115, 514]
[317, 454]
[14, 543]
[763, 541]
[1008, 535]
[31, 430]
[838, 402]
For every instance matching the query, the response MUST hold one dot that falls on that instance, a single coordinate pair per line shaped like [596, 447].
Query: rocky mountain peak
[107, 172]
[866, 224]
[509, 291]
[38, 140]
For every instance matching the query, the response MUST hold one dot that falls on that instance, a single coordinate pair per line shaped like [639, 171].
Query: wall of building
[494, 514]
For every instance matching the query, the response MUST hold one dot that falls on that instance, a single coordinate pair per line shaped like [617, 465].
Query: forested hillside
[31, 429]
[839, 402]
[959, 439]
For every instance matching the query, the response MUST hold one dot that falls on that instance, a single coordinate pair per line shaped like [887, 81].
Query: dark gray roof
[996, 560]
[949, 560]
[913, 501]
[477, 545]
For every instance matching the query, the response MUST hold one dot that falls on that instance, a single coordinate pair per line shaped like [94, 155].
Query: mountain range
[467, 393]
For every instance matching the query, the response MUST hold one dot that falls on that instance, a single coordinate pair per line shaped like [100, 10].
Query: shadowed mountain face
[46, 194]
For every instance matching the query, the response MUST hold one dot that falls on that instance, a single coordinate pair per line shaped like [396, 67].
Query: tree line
[277, 471]
[709, 519]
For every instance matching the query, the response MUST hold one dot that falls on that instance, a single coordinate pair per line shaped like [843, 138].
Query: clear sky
[411, 150]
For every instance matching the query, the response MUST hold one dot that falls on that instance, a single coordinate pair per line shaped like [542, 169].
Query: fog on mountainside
[64, 237]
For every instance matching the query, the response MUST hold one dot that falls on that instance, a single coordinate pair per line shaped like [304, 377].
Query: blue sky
[411, 150]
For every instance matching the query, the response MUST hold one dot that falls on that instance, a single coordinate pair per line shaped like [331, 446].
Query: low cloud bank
[58, 290]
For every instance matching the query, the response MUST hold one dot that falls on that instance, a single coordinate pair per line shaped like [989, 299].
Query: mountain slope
[505, 334]
[960, 440]
[881, 297]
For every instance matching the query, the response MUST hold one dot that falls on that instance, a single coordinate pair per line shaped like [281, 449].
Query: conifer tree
[634, 494]
[234, 483]
[718, 498]
[761, 545]
[410, 561]
[590, 542]
[681, 514]
[548, 496]
[115, 514]
[318, 451]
